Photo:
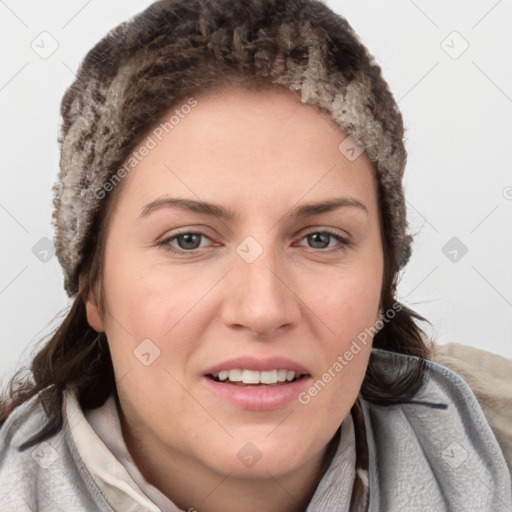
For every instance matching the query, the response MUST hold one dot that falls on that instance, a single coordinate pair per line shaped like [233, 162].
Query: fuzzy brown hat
[177, 48]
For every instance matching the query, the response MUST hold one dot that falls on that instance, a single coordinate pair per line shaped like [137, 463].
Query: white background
[458, 117]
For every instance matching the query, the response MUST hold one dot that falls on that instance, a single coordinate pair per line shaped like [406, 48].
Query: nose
[261, 299]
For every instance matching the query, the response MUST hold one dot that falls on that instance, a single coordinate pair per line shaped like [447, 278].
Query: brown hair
[76, 355]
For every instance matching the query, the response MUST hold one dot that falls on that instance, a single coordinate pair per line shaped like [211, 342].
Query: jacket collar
[435, 453]
[98, 439]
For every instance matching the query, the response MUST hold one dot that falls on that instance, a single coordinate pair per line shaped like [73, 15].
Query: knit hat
[177, 48]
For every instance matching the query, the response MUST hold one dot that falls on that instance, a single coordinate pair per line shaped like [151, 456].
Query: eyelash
[344, 242]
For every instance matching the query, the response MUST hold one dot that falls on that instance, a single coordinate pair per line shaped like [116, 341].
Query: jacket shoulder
[44, 476]
[490, 378]
[437, 450]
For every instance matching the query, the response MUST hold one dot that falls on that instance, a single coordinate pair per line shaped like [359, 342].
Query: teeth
[235, 375]
[250, 377]
[268, 377]
[281, 375]
[255, 377]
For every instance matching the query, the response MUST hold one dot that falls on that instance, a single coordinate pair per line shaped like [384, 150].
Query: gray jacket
[420, 458]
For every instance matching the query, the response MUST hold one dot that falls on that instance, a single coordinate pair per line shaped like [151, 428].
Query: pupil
[189, 239]
[315, 236]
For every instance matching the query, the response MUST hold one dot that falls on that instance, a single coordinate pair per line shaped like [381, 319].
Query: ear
[93, 315]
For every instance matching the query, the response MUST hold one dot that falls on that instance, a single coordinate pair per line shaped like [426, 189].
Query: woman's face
[245, 275]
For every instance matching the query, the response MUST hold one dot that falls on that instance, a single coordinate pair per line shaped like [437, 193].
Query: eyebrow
[219, 211]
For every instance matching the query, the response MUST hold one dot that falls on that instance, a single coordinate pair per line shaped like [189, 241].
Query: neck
[194, 487]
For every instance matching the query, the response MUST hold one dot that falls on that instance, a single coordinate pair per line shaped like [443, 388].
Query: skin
[260, 154]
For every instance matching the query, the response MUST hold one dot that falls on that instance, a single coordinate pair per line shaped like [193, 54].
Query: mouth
[257, 396]
[252, 378]
[256, 384]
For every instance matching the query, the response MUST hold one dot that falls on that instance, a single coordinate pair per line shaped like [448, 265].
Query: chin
[264, 468]
[261, 457]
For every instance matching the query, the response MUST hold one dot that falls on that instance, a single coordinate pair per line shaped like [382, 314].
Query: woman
[231, 222]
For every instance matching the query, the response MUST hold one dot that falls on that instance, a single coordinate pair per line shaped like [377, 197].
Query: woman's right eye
[187, 242]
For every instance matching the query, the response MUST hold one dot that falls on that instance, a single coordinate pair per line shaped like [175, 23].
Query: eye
[188, 241]
[320, 240]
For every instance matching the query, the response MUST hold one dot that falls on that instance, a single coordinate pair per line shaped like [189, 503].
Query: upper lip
[261, 365]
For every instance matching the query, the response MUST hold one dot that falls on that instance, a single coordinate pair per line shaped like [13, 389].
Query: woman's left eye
[190, 241]
[323, 237]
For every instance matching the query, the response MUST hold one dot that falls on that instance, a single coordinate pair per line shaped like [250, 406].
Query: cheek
[347, 301]
[349, 311]
[143, 299]
[156, 303]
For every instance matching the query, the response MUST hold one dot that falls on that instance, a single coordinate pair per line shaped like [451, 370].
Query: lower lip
[258, 398]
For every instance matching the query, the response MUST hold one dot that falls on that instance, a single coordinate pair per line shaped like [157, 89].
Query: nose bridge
[261, 300]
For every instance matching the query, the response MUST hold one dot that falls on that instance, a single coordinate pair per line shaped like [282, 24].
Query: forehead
[238, 144]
